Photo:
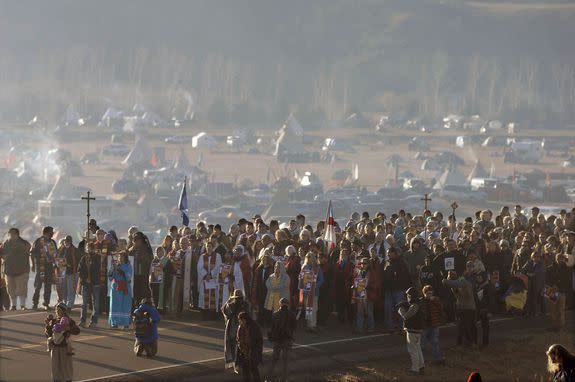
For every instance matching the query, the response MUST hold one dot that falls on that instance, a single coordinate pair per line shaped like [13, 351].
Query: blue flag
[183, 205]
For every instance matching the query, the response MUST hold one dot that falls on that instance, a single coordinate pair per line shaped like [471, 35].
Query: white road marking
[22, 314]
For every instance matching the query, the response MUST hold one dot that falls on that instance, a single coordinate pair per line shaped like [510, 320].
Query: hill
[419, 57]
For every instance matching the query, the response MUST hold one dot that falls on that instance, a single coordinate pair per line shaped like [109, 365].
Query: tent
[478, 171]
[64, 190]
[111, 114]
[203, 141]
[450, 177]
[142, 152]
[290, 138]
[182, 164]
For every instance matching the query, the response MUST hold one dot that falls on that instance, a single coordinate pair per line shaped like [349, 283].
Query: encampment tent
[142, 152]
[450, 177]
[203, 141]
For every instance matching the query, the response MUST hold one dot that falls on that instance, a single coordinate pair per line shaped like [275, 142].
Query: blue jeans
[364, 307]
[392, 299]
[71, 281]
[90, 292]
[432, 335]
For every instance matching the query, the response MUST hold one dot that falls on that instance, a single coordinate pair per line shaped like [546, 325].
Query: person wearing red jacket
[432, 320]
[293, 268]
[343, 280]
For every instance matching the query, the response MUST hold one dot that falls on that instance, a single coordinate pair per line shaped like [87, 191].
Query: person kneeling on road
[146, 318]
[413, 316]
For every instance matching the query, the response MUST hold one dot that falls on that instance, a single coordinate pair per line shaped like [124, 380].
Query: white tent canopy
[203, 140]
[451, 177]
[63, 190]
[478, 171]
[142, 152]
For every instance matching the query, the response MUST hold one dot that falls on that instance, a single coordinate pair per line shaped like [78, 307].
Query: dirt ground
[514, 359]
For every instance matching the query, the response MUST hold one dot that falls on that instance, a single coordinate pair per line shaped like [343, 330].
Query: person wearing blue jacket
[146, 319]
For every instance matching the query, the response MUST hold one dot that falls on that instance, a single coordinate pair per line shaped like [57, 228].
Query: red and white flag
[329, 232]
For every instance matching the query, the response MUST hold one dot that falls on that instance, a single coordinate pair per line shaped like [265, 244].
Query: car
[178, 139]
[116, 149]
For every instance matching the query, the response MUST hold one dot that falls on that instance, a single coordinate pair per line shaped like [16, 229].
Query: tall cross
[454, 206]
[425, 200]
[87, 199]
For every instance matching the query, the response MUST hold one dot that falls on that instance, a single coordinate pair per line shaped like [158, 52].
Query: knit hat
[474, 377]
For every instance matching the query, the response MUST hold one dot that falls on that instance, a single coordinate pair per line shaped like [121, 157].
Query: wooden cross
[87, 199]
[425, 199]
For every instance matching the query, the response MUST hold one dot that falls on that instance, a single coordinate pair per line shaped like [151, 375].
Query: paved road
[187, 350]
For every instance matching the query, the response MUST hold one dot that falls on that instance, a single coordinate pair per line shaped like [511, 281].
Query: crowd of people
[403, 272]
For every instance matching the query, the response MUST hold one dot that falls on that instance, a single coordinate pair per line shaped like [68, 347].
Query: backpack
[143, 327]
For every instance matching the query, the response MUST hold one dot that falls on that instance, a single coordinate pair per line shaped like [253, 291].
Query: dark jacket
[15, 254]
[72, 256]
[430, 275]
[283, 326]
[250, 343]
[559, 275]
[396, 276]
[458, 261]
[413, 317]
[89, 269]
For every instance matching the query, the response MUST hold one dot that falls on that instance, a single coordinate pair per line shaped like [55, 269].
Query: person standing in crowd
[277, 286]
[485, 295]
[310, 281]
[143, 256]
[396, 280]
[72, 256]
[15, 258]
[89, 282]
[160, 279]
[43, 254]
[558, 278]
[283, 326]
[293, 268]
[343, 281]
[120, 277]
[560, 363]
[249, 347]
[433, 310]
[231, 310]
[146, 318]
[413, 316]
[242, 270]
[209, 265]
[181, 261]
[535, 269]
[60, 272]
[465, 303]
[103, 249]
[365, 291]
[61, 358]
[262, 272]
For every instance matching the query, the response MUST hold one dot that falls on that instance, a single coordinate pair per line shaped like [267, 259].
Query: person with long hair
[561, 363]
[120, 277]
[249, 346]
